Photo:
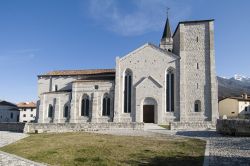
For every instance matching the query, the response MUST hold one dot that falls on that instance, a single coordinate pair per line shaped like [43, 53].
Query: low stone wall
[234, 127]
[71, 127]
[12, 126]
[192, 125]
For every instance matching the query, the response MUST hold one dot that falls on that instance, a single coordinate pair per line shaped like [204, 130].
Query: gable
[150, 48]
[147, 81]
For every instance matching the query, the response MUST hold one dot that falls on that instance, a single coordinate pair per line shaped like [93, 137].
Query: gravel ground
[223, 150]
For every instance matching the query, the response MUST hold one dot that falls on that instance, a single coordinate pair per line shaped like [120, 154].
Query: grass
[95, 149]
[165, 126]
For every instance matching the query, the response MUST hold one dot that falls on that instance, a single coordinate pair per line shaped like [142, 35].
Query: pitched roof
[79, 72]
[14, 109]
[240, 98]
[26, 105]
[92, 80]
[6, 103]
[167, 30]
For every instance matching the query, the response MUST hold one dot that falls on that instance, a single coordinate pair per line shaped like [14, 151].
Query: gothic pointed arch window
[50, 111]
[85, 106]
[66, 111]
[197, 106]
[127, 91]
[106, 102]
[170, 90]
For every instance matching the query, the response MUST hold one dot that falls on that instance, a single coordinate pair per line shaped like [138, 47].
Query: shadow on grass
[170, 161]
[90, 161]
[204, 134]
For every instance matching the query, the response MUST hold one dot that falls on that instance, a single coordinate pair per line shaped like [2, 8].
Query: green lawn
[95, 149]
[165, 126]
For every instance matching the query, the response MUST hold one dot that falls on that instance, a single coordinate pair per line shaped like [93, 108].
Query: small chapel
[174, 81]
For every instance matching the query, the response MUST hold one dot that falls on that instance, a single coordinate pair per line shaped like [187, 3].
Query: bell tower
[167, 40]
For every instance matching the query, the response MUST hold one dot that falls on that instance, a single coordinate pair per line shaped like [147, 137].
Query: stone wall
[16, 127]
[195, 71]
[73, 127]
[47, 84]
[95, 90]
[58, 100]
[192, 125]
[234, 127]
[148, 65]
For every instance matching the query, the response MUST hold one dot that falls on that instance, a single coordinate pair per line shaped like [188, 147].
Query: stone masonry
[146, 83]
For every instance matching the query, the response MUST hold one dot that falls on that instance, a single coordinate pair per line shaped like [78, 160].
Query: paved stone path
[9, 159]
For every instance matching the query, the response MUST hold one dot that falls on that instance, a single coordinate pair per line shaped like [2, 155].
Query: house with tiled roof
[8, 112]
[235, 106]
[27, 111]
[174, 82]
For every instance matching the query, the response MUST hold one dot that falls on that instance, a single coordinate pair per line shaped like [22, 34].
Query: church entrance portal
[148, 113]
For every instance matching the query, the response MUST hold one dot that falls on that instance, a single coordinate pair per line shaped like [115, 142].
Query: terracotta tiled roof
[92, 80]
[26, 105]
[79, 72]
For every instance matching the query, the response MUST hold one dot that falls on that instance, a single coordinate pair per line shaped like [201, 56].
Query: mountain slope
[234, 86]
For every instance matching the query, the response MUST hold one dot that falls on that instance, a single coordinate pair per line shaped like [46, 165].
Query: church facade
[173, 82]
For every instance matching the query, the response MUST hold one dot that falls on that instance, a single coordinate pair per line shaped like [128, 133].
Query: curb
[206, 154]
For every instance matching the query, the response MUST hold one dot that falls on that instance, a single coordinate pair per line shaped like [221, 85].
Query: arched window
[127, 91]
[50, 111]
[56, 88]
[197, 106]
[66, 112]
[106, 105]
[11, 115]
[85, 106]
[170, 92]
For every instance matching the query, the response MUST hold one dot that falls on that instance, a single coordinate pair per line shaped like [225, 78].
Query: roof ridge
[78, 72]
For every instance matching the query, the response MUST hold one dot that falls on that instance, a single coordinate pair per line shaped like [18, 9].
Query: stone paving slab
[13, 160]
[10, 137]
[7, 159]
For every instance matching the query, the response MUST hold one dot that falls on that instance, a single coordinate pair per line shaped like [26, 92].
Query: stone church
[172, 82]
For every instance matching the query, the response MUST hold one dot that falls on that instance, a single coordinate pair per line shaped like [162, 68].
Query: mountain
[234, 86]
[241, 78]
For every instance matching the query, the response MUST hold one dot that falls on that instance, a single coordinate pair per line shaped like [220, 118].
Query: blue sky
[37, 36]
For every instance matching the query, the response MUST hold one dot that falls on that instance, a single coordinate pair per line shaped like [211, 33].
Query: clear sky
[37, 36]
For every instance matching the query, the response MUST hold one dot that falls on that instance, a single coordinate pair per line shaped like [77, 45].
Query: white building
[234, 106]
[27, 111]
[175, 82]
[8, 112]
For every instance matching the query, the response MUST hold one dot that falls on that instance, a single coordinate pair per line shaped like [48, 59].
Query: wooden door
[148, 113]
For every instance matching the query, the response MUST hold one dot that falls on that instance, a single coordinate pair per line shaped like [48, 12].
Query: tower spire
[166, 40]
[167, 29]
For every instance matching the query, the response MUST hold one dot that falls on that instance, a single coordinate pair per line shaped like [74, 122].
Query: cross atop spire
[167, 29]
[167, 11]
